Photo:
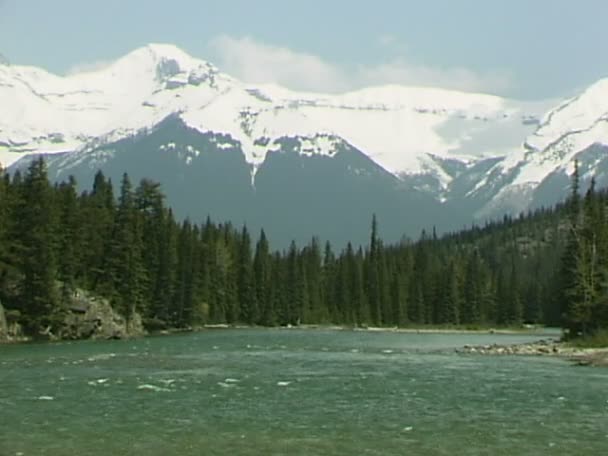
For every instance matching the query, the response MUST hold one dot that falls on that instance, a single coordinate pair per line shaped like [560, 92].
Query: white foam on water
[46, 398]
[154, 388]
[408, 428]
[283, 383]
[231, 380]
[101, 357]
[225, 385]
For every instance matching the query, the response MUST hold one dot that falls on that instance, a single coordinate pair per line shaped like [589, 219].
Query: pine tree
[70, 244]
[470, 312]
[247, 296]
[278, 292]
[373, 266]
[290, 310]
[451, 298]
[262, 270]
[329, 309]
[165, 283]
[577, 292]
[97, 213]
[148, 200]
[125, 262]
[37, 219]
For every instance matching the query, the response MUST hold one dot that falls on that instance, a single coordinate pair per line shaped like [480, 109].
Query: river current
[296, 392]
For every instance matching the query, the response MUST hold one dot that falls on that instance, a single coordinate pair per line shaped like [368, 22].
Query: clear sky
[529, 49]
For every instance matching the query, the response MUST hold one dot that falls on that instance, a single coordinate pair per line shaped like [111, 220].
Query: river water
[292, 392]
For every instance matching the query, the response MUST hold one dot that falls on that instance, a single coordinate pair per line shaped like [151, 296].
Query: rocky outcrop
[10, 329]
[83, 316]
[91, 317]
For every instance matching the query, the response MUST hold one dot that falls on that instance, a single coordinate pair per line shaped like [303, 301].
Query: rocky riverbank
[91, 317]
[580, 356]
[83, 316]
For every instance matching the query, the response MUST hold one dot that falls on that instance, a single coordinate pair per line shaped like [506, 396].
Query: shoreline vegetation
[94, 266]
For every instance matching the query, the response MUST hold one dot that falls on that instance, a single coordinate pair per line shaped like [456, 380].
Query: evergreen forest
[546, 267]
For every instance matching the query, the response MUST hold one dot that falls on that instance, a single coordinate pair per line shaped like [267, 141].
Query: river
[296, 392]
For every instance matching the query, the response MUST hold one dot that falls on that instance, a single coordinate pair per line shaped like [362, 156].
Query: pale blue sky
[518, 48]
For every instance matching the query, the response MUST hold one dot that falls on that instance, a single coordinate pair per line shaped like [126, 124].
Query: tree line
[544, 267]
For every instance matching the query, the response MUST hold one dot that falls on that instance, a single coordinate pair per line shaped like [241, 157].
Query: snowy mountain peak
[481, 152]
[431, 133]
[163, 51]
[165, 60]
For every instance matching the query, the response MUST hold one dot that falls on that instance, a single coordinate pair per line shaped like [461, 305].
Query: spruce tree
[262, 269]
[576, 294]
[69, 236]
[165, 278]
[97, 213]
[313, 269]
[329, 309]
[374, 291]
[37, 220]
[125, 262]
[247, 296]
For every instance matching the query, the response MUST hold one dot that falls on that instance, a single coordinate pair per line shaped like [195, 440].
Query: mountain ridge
[166, 68]
[477, 156]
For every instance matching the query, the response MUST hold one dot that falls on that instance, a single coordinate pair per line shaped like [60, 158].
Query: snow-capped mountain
[396, 126]
[451, 155]
[576, 129]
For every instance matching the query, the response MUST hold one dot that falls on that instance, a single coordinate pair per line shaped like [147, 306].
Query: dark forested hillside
[547, 267]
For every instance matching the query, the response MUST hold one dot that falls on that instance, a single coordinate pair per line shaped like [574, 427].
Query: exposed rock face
[10, 329]
[90, 317]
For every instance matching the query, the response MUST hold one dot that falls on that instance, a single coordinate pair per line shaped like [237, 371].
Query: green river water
[292, 392]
